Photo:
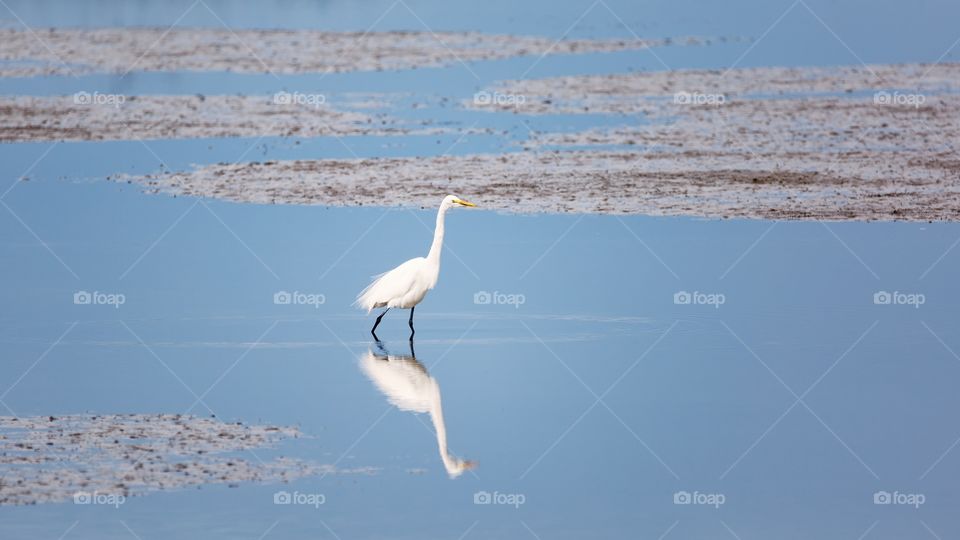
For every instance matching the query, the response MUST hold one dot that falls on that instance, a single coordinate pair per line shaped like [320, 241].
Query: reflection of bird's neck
[451, 463]
[434, 256]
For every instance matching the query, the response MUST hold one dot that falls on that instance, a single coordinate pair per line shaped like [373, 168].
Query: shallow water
[581, 389]
[518, 382]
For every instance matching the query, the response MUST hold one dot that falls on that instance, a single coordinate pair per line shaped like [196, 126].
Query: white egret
[405, 286]
[409, 387]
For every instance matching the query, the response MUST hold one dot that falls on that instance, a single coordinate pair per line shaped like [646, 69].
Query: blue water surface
[595, 398]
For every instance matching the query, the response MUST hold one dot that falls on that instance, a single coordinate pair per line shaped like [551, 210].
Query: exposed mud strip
[95, 117]
[103, 459]
[810, 128]
[60, 51]
[650, 92]
[850, 185]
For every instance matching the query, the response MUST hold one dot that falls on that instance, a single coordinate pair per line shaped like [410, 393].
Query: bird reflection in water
[409, 387]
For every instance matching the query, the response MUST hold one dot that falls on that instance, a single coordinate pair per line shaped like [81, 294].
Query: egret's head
[453, 200]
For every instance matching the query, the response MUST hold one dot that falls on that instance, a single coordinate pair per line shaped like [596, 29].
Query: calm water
[782, 396]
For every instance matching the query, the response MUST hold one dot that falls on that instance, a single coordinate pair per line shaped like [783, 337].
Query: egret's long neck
[437, 246]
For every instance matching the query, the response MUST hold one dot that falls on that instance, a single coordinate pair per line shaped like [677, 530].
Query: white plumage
[403, 287]
[406, 285]
[409, 387]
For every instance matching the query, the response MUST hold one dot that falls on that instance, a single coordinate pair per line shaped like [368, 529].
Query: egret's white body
[409, 387]
[403, 287]
[406, 285]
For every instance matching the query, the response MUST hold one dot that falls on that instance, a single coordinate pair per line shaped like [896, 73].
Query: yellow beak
[464, 203]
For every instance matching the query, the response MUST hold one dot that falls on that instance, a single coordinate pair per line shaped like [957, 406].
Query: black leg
[412, 331]
[376, 324]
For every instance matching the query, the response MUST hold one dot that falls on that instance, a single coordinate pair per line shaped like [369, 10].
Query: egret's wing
[403, 380]
[393, 284]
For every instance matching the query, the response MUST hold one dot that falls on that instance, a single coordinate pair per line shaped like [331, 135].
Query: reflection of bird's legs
[374, 329]
[412, 331]
[412, 353]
